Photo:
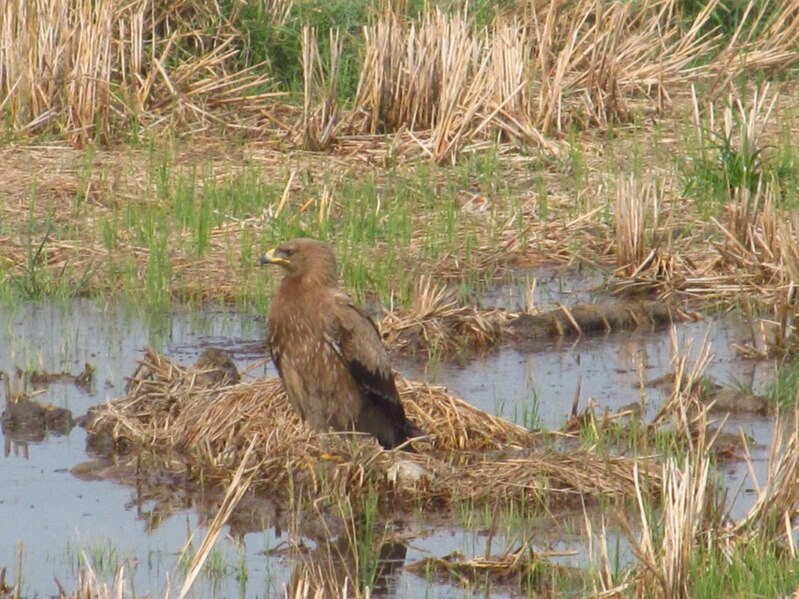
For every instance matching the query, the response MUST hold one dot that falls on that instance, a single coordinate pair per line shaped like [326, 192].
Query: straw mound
[438, 321]
[469, 454]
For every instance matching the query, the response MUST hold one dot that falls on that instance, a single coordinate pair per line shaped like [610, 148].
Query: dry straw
[526, 77]
[636, 203]
[771, 516]
[437, 322]
[467, 454]
[747, 255]
[320, 99]
[236, 489]
[693, 512]
[88, 68]
[97, 69]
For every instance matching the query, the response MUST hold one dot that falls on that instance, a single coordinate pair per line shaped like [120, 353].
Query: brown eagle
[328, 351]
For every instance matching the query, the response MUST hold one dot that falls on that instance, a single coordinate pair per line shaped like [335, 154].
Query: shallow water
[59, 517]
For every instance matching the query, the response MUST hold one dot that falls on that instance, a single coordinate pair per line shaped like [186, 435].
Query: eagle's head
[304, 259]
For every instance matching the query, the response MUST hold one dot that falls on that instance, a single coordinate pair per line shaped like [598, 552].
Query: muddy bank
[586, 319]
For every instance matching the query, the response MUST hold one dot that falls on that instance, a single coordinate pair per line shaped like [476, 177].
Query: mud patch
[593, 318]
[26, 419]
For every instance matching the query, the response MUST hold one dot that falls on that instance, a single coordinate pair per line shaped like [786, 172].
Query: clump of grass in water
[783, 390]
[242, 573]
[215, 570]
[529, 415]
[364, 537]
[102, 558]
[158, 278]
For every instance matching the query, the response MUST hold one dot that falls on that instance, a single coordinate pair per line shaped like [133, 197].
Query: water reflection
[348, 562]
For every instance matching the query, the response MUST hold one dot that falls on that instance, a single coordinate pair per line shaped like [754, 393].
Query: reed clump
[104, 70]
[694, 524]
[436, 322]
[107, 71]
[523, 78]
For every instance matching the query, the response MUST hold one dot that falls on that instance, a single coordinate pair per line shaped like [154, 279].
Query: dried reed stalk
[665, 565]
[92, 70]
[444, 78]
[320, 98]
[577, 61]
[88, 68]
[635, 201]
[688, 415]
[89, 587]
[756, 259]
[235, 491]
[764, 39]
[777, 499]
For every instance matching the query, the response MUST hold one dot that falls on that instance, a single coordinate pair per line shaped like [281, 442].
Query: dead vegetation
[97, 70]
[694, 514]
[437, 86]
[466, 455]
[437, 322]
[521, 568]
[528, 77]
[268, 447]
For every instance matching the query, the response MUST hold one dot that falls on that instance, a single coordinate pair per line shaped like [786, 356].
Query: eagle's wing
[274, 348]
[355, 338]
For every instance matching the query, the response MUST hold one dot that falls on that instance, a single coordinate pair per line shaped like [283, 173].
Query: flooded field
[65, 508]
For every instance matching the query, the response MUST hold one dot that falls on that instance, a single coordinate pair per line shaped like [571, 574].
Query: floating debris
[42, 378]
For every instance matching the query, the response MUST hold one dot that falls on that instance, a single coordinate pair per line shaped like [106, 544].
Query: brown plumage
[328, 352]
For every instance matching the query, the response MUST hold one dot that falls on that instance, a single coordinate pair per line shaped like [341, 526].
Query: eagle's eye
[287, 252]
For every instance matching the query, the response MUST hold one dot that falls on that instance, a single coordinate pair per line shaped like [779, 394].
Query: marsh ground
[468, 161]
[90, 509]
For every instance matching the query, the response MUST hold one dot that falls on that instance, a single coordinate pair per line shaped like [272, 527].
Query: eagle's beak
[271, 257]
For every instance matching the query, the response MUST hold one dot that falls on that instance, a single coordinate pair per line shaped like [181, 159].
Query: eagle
[328, 351]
